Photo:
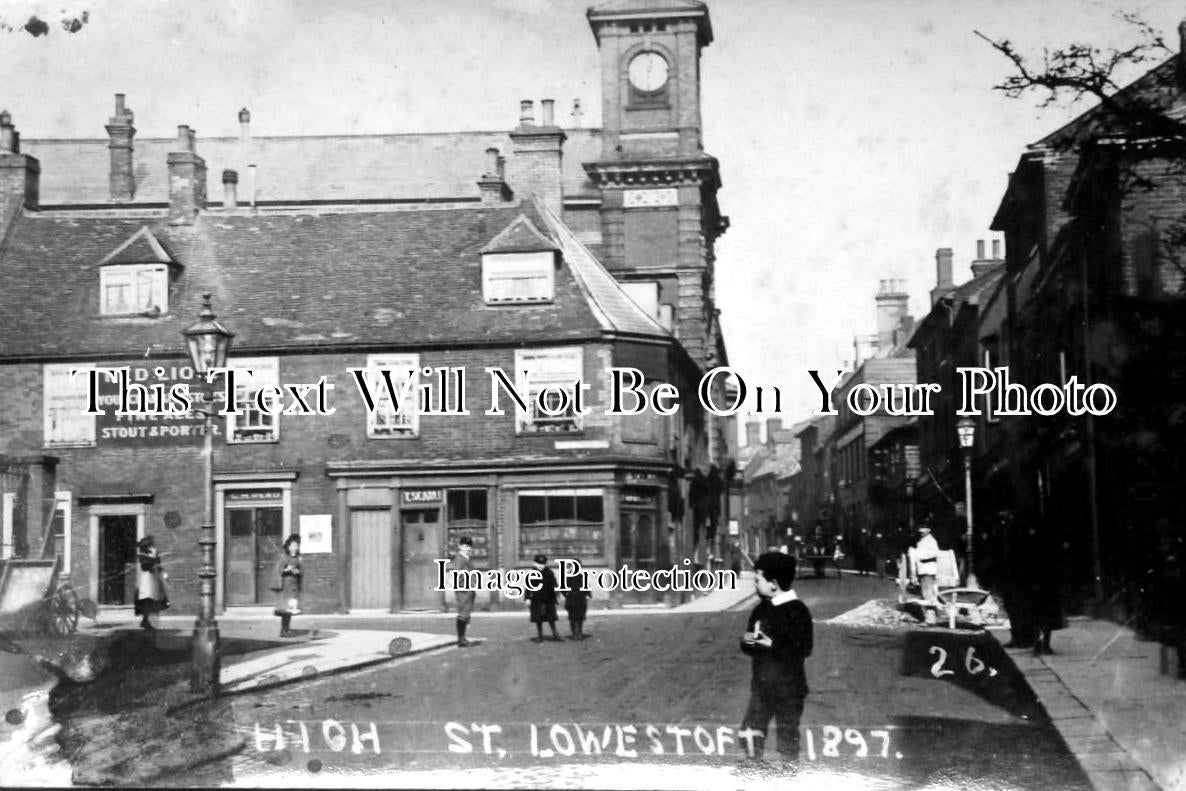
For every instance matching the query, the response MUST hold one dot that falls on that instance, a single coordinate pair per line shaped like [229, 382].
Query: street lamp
[966, 429]
[207, 342]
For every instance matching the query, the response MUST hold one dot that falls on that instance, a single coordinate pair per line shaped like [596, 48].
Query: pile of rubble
[878, 612]
[889, 614]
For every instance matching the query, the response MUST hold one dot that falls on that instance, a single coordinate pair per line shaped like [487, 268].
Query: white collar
[783, 597]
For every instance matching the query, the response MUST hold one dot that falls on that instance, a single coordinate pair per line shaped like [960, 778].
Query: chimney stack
[20, 175]
[230, 182]
[753, 433]
[892, 304]
[535, 168]
[120, 131]
[982, 265]
[187, 179]
[943, 282]
[492, 185]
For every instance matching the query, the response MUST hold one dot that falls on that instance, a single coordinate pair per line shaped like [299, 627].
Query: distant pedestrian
[288, 571]
[543, 601]
[1047, 601]
[463, 562]
[927, 564]
[576, 604]
[779, 638]
[151, 597]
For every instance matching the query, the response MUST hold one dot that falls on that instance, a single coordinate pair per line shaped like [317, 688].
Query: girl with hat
[150, 583]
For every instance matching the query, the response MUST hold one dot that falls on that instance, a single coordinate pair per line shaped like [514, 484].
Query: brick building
[556, 252]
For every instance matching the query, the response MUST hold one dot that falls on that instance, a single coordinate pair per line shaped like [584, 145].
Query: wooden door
[255, 536]
[370, 559]
[421, 535]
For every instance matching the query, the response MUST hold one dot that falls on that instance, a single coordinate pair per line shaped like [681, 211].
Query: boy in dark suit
[779, 638]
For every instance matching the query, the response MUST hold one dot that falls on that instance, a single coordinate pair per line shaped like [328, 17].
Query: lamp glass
[966, 429]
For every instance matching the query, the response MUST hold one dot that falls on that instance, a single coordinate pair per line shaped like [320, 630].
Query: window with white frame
[133, 288]
[253, 424]
[518, 277]
[64, 417]
[547, 379]
[397, 418]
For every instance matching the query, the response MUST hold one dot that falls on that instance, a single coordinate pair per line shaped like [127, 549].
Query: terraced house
[549, 254]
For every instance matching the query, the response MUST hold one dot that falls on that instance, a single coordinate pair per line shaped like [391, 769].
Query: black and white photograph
[595, 394]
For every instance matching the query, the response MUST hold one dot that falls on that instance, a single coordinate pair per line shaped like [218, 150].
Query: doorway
[117, 558]
[255, 538]
[420, 535]
[371, 539]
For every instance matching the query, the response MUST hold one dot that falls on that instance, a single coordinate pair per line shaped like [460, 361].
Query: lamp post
[966, 429]
[207, 342]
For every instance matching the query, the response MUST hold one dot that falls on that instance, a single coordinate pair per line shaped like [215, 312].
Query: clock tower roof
[627, 10]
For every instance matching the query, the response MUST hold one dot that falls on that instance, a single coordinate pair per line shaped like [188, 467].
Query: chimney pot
[252, 185]
[244, 116]
[492, 161]
[119, 104]
[527, 113]
[996, 249]
[547, 110]
[980, 248]
[184, 140]
[230, 197]
[577, 113]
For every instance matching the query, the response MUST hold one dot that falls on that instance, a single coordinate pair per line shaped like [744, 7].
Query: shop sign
[422, 496]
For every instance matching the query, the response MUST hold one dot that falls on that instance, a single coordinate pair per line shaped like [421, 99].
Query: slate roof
[339, 168]
[359, 279]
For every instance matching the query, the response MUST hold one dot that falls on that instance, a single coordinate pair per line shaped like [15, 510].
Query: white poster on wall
[316, 533]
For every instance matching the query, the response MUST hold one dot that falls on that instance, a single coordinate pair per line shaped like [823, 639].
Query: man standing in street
[927, 557]
[465, 599]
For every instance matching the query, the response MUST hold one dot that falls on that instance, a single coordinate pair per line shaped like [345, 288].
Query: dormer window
[134, 277]
[519, 265]
[135, 288]
[518, 277]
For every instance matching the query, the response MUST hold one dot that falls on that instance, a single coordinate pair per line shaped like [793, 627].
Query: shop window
[467, 515]
[561, 523]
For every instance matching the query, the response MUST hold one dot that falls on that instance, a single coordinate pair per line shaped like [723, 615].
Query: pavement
[1121, 716]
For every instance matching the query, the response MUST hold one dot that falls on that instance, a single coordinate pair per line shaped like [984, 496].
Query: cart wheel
[63, 611]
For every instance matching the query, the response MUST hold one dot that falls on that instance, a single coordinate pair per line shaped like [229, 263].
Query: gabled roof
[140, 248]
[394, 279]
[331, 168]
[520, 237]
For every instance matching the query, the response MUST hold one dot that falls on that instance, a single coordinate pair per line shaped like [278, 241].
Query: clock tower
[659, 212]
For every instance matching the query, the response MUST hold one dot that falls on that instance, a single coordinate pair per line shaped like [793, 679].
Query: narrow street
[654, 699]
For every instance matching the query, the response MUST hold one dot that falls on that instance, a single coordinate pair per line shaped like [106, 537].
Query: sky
[855, 137]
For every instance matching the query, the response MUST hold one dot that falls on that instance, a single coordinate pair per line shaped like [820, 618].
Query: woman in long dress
[150, 583]
[289, 571]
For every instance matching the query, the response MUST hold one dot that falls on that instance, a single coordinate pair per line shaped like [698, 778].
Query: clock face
[648, 71]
